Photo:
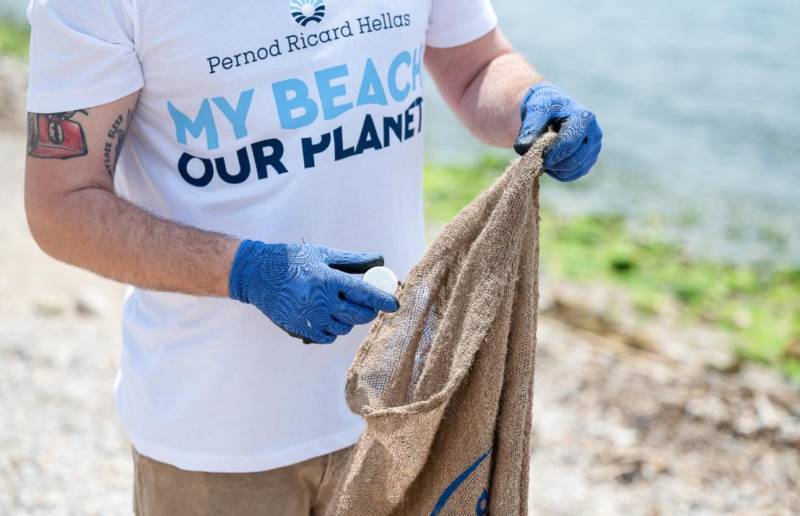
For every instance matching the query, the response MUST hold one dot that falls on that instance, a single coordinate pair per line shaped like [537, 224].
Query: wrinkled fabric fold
[446, 383]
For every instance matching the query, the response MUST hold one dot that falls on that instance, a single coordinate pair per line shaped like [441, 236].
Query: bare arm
[484, 83]
[75, 216]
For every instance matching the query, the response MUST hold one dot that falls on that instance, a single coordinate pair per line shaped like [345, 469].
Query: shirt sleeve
[82, 54]
[457, 22]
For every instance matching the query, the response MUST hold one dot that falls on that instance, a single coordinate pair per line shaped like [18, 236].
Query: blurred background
[668, 375]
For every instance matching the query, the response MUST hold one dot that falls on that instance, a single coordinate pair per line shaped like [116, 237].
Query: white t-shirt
[282, 121]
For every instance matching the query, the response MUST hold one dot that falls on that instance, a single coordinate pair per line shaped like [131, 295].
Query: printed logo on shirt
[306, 11]
[383, 98]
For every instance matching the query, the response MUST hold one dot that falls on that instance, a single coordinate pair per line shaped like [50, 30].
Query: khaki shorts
[302, 489]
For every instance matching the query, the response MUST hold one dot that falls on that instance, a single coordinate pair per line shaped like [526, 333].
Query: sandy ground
[631, 417]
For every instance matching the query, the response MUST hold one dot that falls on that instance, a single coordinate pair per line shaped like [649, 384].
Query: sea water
[700, 105]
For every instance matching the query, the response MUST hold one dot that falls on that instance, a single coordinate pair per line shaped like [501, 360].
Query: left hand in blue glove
[307, 290]
[579, 137]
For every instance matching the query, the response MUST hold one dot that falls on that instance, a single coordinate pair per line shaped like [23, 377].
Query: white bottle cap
[382, 278]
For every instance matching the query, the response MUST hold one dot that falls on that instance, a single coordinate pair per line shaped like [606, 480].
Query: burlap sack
[446, 383]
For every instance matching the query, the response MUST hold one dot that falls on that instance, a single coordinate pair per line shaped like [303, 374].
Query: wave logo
[306, 11]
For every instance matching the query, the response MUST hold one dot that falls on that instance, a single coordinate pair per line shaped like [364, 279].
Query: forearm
[484, 82]
[95, 229]
[490, 106]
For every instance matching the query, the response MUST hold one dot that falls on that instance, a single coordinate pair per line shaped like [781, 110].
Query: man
[272, 151]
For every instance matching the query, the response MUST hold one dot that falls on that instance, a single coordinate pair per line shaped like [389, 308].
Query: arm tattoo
[56, 136]
[117, 133]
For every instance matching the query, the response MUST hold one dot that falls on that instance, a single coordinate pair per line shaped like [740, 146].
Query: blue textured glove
[579, 137]
[305, 289]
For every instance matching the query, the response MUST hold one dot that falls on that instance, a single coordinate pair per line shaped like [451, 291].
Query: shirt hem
[42, 101]
[464, 33]
[250, 464]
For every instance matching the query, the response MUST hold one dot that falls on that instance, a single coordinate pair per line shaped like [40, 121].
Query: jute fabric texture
[446, 383]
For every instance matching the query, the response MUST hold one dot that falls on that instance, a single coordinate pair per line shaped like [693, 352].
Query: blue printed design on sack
[306, 11]
[481, 507]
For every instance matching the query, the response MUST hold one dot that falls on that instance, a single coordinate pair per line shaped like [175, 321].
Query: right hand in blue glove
[579, 137]
[306, 289]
